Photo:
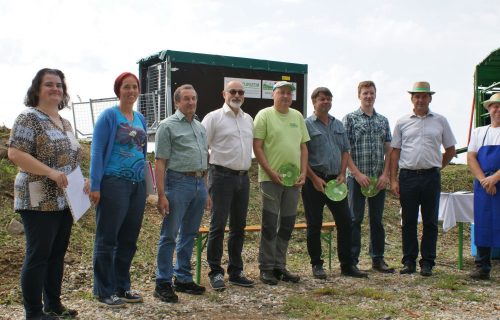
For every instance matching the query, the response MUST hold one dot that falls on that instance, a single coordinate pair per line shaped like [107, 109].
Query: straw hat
[493, 99]
[421, 87]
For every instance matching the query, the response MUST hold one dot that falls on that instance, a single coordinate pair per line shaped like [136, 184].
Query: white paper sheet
[78, 201]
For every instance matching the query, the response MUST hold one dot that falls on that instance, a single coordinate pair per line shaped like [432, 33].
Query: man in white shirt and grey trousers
[230, 137]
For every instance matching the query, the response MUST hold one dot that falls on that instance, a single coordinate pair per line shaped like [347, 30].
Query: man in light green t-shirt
[280, 135]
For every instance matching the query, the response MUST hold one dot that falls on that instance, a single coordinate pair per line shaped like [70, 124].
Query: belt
[197, 174]
[421, 171]
[230, 171]
[326, 177]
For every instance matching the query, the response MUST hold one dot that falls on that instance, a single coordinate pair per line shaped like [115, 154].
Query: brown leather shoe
[382, 267]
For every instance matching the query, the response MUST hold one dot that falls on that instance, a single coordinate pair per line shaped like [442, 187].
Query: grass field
[448, 294]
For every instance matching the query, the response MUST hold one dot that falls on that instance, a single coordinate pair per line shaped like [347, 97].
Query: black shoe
[112, 301]
[60, 311]
[286, 276]
[165, 292]
[43, 317]
[354, 272]
[426, 270]
[188, 287]
[268, 277]
[318, 272]
[241, 280]
[382, 267]
[217, 282]
[480, 274]
[129, 296]
[408, 269]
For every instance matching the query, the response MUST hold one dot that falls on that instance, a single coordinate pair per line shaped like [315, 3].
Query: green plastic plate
[289, 174]
[371, 190]
[336, 191]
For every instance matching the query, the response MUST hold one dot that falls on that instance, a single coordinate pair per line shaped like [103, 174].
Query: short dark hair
[366, 84]
[32, 98]
[177, 92]
[318, 90]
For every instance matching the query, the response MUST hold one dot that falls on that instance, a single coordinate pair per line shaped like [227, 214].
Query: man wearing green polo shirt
[280, 135]
[180, 168]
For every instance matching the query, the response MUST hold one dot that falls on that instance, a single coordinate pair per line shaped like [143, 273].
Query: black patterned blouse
[33, 132]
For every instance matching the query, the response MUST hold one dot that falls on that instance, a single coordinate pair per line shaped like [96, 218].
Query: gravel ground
[268, 302]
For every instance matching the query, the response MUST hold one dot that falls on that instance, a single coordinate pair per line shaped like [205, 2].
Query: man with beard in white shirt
[230, 137]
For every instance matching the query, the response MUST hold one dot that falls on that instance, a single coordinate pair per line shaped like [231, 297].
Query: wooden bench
[202, 238]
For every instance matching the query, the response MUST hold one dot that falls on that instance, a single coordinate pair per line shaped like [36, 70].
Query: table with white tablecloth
[457, 207]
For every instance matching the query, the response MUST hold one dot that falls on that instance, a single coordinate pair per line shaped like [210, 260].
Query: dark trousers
[118, 222]
[314, 202]
[419, 188]
[47, 238]
[483, 258]
[375, 212]
[230, 194]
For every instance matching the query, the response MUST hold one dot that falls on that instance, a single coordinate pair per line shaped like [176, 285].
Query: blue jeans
[375, 212]
[187, 197]
[230, 193]
[118, 222]
[419, 188]
[47, 238]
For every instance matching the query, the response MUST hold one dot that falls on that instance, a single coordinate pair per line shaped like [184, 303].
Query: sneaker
[165, 292]
[480, 274]
[129, 296]
[217, 282]
[426, 270]
[241, 280]
[267, 277]
[318, 272]
[285, 275]
[112, 301]
[382, 267]
[188, 287]
[60, 311]
[354, 272]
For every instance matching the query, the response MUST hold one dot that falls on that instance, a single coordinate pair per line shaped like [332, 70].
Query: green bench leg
[460, 245]
[328, 236]
[199, 249]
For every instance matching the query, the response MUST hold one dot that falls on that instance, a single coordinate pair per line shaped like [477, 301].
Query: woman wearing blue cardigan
[118, 190]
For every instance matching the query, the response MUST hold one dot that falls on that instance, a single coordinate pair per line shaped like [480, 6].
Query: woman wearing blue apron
[483, 158]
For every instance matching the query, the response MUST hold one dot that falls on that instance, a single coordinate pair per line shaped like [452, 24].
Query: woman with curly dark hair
[44, 148]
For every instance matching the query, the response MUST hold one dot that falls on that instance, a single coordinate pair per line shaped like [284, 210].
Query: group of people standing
[190, 179]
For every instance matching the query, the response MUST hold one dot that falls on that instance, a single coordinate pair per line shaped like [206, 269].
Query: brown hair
[177, 92]
[366, 84]
[32, 98]
[318, 90]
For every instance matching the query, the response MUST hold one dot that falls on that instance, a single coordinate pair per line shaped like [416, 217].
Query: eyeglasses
[233, 92]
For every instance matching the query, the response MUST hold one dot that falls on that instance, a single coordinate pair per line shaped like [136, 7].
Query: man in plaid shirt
[369, 136]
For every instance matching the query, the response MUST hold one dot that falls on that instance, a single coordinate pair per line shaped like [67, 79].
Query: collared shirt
[34, 133]
[367, 136]
[282, 135]
[182, 143]
[327, 144]
[420, 140]
[230, 138]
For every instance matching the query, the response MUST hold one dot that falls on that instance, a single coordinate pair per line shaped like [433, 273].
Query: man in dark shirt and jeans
[328, 153]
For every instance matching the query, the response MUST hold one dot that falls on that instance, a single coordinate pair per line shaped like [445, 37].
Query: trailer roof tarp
[223, 61]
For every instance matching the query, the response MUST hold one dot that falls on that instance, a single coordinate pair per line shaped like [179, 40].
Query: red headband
[119, 81]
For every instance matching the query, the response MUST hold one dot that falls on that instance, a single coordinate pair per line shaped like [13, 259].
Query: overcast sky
[393, 43]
